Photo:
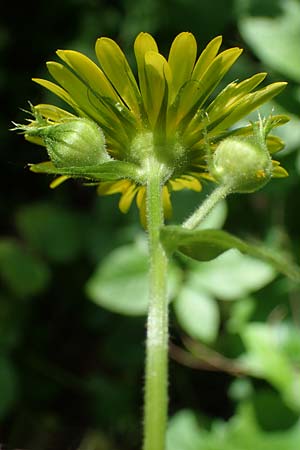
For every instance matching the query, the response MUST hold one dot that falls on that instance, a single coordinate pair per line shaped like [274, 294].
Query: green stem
[156, 395]
[204, 209]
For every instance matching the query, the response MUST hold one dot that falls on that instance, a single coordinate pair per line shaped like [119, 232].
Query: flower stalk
[219, 193]
[156, 372]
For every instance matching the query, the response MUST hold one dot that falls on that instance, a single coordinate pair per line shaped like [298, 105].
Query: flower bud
[244, 163]
[76, 142]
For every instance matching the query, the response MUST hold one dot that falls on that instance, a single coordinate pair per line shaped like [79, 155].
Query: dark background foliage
[71, 372]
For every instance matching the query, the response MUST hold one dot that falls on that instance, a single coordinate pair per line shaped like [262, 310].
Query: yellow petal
[206, 57]
[127, 198]
[88, 71]
[181, 60]
[229, 97]
[97, 83]
[274, 143]
[143, 214]
[187, 182]
[192, 90]
[278, 171]
[58, 181]
[113, 187]
[115, 66]
[53, 113]
[207, 176]
[157, 74]
[57, 90]
[208, 81]
[141, 203]
[167, 205]
[89, 102]
[140, 197]
[226, 102]
[192, 183]
[143, 44]
[76, 89]
[249, 103]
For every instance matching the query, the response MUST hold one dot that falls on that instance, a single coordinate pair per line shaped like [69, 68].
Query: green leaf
[268, 356]
[120, 283]
[184, 432]
[276, 40]
[23, 273]
[108, 171]
[197, 313]
[205, 245]
[231, 276]
[241, 432]
[51, 230]
[240, 313]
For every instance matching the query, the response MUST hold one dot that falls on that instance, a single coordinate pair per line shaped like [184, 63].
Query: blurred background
[73, 268]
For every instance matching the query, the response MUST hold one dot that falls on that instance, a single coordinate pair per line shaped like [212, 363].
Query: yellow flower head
[167, 115]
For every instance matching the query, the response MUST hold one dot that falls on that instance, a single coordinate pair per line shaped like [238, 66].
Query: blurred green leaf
[290, 341]
[184, 432]
[120, 283]
[11, 318]
[8, 386]
[95, 440]
[282, 417]
[109, 400]
[268, 356]
[23, 273]
[240, 389]
[205, 245]
[232, 275]
[240, 313]
[276, 40]
[55, 232]
[241, 432]
[197, 313]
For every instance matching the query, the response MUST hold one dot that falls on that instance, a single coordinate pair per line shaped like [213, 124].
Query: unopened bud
[244, 163]
[74, 143]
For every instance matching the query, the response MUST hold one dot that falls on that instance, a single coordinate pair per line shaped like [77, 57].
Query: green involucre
[74, 143]
[244, 163]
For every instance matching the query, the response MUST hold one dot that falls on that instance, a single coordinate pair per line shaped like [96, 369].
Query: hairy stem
[156, 395]
[209, 203]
